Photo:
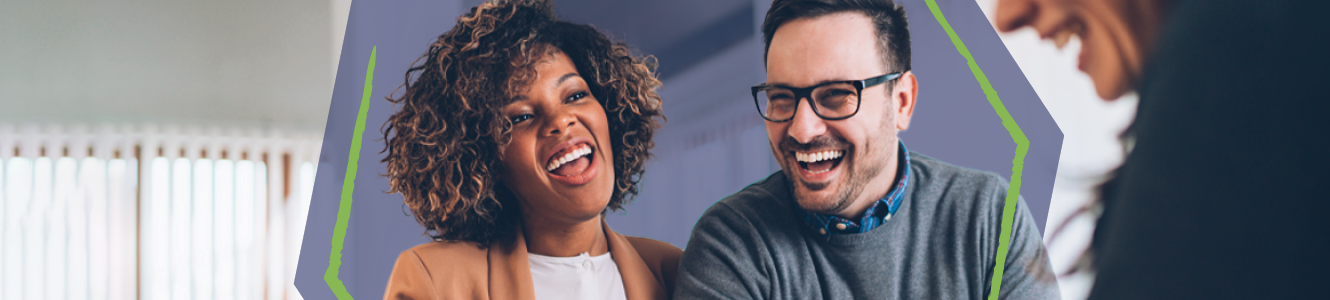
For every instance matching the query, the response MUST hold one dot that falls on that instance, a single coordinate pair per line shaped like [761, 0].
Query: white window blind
[148, 211]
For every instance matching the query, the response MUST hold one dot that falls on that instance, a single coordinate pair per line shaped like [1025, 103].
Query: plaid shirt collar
[877, 214]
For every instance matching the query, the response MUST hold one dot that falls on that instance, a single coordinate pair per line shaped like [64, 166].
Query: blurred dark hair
[892, 28]
[1096, 209]
[445, 141]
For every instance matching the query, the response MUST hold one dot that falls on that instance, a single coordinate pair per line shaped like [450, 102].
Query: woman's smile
[573, 162]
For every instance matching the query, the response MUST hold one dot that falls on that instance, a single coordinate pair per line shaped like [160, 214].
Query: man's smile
[819, 162]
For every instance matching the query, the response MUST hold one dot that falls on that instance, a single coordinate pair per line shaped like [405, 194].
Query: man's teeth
[817, 156]
[567, 157]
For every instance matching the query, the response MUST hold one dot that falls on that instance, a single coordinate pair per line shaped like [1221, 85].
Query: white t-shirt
[577, 277]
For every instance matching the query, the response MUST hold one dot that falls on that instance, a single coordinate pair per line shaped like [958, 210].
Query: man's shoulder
[762, 210]
[763, 197]
[933, 175]
[943, 187]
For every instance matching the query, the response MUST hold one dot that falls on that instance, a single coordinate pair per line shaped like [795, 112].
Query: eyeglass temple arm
[880, 79]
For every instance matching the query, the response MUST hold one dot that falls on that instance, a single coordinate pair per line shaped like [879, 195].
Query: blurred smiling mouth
[572, 163]
[820, 162]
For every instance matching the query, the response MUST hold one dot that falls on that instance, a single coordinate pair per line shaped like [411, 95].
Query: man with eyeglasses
[853, 214]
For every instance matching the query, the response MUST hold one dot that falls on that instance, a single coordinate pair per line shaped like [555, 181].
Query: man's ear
[905, 94]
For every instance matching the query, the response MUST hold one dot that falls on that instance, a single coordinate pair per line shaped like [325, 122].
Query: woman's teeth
[567, 157]
[817, 156]
[1064, 35]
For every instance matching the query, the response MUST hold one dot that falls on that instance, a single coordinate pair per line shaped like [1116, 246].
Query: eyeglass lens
[830, 101]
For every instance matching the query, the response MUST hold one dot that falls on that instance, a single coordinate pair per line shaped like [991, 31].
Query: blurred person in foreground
[853, 214]
[512, 140]
[1222, 193]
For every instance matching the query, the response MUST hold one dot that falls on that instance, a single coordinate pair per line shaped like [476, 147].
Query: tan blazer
[462, 270]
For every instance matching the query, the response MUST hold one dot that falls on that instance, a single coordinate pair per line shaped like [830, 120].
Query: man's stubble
[875, 161]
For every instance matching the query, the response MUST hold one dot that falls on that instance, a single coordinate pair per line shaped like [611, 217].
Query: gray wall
[259, 63]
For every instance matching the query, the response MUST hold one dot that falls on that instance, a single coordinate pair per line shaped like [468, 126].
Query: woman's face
[559, 161]
[1114, 34]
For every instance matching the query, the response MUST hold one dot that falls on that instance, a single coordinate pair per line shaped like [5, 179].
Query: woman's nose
[560, 122]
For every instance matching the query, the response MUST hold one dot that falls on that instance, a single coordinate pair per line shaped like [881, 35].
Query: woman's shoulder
[448, 248]
[442, 259]
[659, 256]
[653, 250]
[434, 269]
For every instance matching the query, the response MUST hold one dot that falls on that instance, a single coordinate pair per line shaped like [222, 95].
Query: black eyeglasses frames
[833, 100]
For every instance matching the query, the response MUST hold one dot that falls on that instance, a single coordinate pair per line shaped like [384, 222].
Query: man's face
[862, 149]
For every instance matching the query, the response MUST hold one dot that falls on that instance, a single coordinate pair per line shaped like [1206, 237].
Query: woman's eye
[577, 96]
[519, 118]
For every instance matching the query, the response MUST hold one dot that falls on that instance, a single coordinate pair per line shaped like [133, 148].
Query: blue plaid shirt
[877, 214]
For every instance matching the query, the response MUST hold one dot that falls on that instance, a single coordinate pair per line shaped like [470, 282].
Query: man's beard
[858, 174]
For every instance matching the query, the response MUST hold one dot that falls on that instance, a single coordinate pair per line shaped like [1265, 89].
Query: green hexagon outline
[1008, 214]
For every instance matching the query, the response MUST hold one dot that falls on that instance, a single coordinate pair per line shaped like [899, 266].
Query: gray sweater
[940, 244]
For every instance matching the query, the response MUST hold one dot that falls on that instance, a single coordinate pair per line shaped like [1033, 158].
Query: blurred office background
[165, 150]
[160, 149]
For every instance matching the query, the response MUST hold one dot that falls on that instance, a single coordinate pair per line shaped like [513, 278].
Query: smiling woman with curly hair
[515, 134]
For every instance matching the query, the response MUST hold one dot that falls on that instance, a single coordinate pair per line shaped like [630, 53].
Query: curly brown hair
[444, 143]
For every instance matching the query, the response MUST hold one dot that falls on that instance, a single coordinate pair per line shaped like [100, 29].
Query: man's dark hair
[893, 31]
